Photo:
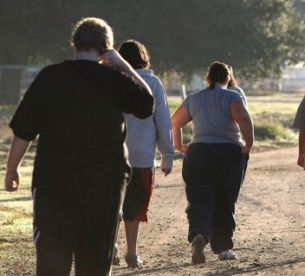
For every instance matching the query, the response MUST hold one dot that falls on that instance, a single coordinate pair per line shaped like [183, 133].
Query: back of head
[92, 33]
[218, 72]
[135, 53]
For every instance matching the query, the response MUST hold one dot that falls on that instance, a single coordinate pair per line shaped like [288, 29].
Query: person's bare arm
[17, 151]
[114, 59]
[242, 117]
[180, 118]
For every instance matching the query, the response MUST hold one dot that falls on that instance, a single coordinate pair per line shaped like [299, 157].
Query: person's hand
[183, 148]
[301, 160]
[113, 58]
[166, 171]
[12, 181]
[245, 149]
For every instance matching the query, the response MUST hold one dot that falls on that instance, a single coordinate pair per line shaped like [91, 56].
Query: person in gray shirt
[215, 161]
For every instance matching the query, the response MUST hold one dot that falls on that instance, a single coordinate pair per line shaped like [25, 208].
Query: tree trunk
[10, 86]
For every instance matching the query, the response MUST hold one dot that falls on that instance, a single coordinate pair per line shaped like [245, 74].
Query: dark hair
[92, 33]
[218, 72]
[232, 81]
[135, 53]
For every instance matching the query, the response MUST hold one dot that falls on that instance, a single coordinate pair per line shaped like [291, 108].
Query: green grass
[7, 110]
[273, 107]
[174, 103]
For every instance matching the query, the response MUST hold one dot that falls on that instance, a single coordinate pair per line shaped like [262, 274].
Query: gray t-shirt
[211, 116]
[241, 92]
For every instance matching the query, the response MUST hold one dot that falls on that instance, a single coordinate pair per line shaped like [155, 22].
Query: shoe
[133, 261]
[116, 258]
[198, 244]
[227, 255]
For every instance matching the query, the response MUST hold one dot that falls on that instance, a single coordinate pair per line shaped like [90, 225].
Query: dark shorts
[138, 194]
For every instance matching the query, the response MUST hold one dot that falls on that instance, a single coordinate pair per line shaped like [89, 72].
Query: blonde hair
[92, 33]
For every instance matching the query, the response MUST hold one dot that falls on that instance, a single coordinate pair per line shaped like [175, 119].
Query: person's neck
[87, 55]
[222, 85]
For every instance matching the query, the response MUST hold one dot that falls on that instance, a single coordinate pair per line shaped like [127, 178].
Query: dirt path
[270, 215]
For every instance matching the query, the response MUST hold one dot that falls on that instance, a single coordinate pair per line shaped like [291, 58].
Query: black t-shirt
[75, 108]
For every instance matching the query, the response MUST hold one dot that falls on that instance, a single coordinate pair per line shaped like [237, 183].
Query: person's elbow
[146, 108]
[245, 120]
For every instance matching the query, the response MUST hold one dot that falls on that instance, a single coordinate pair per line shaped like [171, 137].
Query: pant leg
[230, 179]
[224, 224]
[200, 191]
[101, 217]
[89, 261]
[148, 175]
[52, 259]
[135, 195]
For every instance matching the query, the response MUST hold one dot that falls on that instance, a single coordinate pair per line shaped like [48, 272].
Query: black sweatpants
[80, 223]
[54, 259]
[213, 174]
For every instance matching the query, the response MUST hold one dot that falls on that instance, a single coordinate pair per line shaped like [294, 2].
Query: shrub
[273, 131]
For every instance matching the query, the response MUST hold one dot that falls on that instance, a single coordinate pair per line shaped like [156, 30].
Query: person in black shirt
[75, 108]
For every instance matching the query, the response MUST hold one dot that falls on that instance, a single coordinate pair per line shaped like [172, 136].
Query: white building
[293, 78]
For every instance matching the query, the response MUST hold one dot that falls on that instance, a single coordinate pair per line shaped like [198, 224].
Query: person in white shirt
[143, 138]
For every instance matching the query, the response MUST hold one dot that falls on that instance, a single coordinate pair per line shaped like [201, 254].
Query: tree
[255, 37]
[27, 35]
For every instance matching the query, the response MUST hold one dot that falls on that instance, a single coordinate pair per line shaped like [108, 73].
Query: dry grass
[17, 256]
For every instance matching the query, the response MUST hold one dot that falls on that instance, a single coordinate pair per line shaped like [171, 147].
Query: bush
[273, 131]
